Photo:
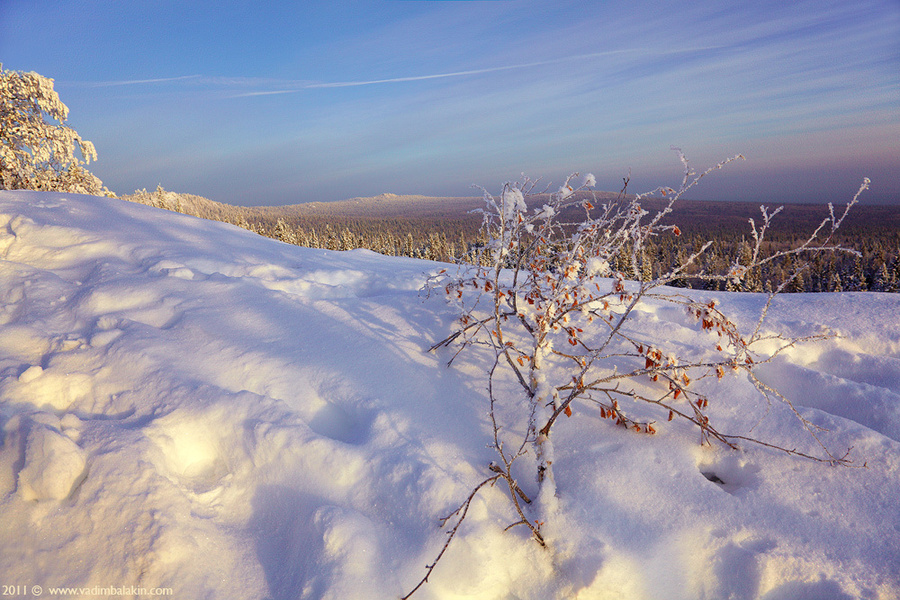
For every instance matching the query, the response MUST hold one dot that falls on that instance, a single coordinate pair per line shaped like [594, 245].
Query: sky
[269, 103]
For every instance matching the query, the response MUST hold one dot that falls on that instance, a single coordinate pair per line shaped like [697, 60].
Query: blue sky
[281, 102]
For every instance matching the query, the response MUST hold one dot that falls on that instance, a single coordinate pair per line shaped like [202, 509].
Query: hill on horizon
[707, 218]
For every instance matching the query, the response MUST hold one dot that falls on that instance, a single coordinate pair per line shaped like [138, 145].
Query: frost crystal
[597, 267]
[513, 203]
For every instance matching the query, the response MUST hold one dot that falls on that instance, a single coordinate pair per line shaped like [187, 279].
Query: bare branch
[461, 512]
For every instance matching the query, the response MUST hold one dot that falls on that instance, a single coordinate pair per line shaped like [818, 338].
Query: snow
[54, 465]
[187, 405]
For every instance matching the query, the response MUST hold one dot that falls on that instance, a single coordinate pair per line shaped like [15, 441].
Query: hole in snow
[712, 477]
[732, 473]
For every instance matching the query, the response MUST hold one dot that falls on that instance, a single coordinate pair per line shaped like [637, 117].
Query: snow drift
[187, 405]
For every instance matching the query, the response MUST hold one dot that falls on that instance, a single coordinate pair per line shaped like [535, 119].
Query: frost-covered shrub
[555, 305]
[37, 149]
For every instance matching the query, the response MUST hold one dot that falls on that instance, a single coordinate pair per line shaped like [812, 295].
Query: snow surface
[185, 404]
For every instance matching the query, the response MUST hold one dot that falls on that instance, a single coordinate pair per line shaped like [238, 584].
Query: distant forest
[446, 229]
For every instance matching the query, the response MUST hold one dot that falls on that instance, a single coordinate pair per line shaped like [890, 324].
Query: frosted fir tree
[38, 151]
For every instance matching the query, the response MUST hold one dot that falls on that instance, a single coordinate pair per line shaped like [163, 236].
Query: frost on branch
[37, 149]
[558, 319]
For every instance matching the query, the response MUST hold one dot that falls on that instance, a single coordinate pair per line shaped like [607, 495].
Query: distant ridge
[702, 217]
[449, 229]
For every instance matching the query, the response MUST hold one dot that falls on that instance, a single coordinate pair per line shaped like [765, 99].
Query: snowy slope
[187, 405]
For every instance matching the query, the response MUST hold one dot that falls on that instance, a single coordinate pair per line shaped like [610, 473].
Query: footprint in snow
[190, 452]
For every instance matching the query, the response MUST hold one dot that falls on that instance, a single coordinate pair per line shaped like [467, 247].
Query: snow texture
[185, 404]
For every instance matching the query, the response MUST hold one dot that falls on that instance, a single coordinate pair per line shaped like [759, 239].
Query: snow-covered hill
[187, 405]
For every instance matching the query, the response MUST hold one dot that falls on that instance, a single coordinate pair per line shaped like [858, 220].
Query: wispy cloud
[340, 84]
[242, 87]
[143, 81]
[203, 81]
[469, 72]
[268, 93]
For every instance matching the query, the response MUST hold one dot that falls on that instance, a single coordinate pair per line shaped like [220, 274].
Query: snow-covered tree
[38, 151]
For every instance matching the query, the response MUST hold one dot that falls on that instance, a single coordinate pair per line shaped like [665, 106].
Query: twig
[461, 511]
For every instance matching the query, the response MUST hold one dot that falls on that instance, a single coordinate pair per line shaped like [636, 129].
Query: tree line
[459, 239]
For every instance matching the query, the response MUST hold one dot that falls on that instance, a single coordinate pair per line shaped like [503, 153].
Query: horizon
[283, 104]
